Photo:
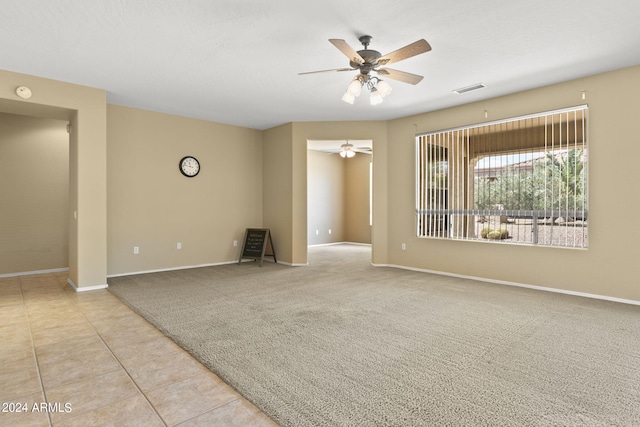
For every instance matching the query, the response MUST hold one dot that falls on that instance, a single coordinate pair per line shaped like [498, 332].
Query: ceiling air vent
[470, 88]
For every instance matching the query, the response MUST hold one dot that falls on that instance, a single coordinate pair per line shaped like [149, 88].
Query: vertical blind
[521, 180]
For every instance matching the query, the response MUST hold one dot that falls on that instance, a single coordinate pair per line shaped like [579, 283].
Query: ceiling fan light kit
[377, 87]
[367, 61]
[347, 151]
[384, 88]
[376, 98]
[348, 97]
[355, 87]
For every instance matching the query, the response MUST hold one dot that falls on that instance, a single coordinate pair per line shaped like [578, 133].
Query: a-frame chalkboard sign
[255, 245]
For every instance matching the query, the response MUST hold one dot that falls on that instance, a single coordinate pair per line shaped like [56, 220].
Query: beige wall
[357, 227]
[151, 205]
[277, 187]
[607, 267]
[34, 194]
[85, 108]
[271, 186]
[338, 198]
[326, 178]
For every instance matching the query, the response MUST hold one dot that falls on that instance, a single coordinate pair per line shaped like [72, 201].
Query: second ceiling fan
[369, 61]
[348, 150]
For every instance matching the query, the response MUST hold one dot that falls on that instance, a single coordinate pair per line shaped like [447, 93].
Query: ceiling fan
[348, 150]
[369, 61]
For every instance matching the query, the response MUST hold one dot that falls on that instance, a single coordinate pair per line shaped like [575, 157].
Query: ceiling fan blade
[347, 50]
[328, 71]
[401, 76]
[365, 150]
[413, 49]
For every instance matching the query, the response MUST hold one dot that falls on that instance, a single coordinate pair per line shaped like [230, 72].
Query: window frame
[457, 214]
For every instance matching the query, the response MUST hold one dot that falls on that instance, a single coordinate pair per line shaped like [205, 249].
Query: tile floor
[80, 359]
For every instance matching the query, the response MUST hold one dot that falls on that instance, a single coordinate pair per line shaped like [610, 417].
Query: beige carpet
[342, 343]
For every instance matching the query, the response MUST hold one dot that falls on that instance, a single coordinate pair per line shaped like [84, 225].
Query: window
[521, 180]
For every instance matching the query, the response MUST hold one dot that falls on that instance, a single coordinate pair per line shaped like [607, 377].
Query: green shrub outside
[488, 233]
[485, 232]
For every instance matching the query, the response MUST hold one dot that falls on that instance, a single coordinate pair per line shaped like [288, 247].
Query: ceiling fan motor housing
[369, 56]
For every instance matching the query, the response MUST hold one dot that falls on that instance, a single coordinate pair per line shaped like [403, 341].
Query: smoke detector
[23, 92]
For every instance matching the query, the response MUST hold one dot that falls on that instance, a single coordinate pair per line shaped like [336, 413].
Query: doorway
[338, 192]
[34, 188]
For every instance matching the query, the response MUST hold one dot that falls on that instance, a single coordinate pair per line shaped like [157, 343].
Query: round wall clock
[189, 166]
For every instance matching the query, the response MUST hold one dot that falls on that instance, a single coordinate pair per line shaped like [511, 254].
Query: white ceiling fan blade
[365, 150]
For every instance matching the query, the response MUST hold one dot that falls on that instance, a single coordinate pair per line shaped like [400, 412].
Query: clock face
[189, 166]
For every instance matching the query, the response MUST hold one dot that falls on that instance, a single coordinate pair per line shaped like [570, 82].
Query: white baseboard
[29, 273]
[278, 262]
[338, 243]
[292, 265]
[520, 285]
[86, 288]
[186, 267]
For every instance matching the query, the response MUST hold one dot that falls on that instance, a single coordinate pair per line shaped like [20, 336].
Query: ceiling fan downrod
[365, 40]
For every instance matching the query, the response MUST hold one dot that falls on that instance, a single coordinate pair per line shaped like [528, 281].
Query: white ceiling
[237, 62]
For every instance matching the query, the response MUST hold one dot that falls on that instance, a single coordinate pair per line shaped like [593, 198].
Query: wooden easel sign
[255, 245]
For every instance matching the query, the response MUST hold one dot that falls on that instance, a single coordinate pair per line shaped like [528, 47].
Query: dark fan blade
[402, 76]
[329, 71]
[347, 50]
[415, 48]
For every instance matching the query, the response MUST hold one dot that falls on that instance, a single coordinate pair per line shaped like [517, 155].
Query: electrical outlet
[329, 231]
[235, 243]
[136, 250]
[404, 247]
[317, 232]
[178, 245]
